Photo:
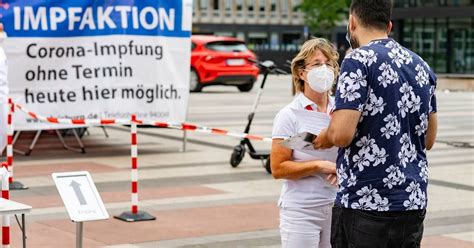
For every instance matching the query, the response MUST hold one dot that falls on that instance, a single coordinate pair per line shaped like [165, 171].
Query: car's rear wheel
[194, 83]
[245, 87]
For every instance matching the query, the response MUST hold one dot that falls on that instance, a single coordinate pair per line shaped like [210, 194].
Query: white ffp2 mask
[321, 78]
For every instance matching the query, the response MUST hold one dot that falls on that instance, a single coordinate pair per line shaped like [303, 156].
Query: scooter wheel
[268, 166]
[237, 155]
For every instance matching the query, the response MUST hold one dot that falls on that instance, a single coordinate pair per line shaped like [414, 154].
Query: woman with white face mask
[309, 188]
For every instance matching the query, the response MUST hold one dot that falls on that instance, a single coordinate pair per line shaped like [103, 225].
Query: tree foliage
[321, 16]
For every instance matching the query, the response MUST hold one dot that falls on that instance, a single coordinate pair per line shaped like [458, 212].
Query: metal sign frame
[73, 214]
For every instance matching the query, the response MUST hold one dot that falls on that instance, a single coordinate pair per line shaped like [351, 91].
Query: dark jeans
[352, 228]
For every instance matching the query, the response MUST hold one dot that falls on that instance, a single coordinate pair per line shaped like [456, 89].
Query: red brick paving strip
[45, 236]
[46, 169]
[124, 196]
[170, 224]
[175, 224]
[445, 242]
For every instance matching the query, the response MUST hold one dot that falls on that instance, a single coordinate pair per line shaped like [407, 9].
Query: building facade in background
[441, 31]
[273, 29]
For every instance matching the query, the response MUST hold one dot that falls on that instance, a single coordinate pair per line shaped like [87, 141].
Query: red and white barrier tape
[5, 195]
[203, 129]
[134, 151]
[181, 126]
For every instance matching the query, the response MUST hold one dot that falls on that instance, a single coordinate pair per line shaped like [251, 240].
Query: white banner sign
[3, 100]
[95, 59]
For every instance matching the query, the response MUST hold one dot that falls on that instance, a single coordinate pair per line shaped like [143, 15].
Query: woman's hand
[332, 179]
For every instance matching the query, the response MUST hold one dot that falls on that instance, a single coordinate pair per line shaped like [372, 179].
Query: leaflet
[311, 122]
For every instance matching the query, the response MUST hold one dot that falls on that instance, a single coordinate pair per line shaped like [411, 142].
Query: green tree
[321, 16]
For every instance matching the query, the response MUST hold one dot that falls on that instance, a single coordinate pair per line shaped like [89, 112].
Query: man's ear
[352, 23]
[389, 28]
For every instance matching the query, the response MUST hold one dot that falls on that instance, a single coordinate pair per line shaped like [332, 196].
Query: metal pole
[185, 139]
[23, 224]
[78, 234]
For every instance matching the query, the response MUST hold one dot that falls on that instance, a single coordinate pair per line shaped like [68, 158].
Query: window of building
[427, 3]
[291, 41]
[215, 4]
[458, 2]
[258, 41]
[402, 3]
[228, 5]
[250, 5]
[284, 9]
[203, 5]
[228, 8]
[261, 8]
[273, 5]
[251, 8]
[240, 35]
[284, 6]
[431, 3]
[460, 48]
[261, 5]
[441, 46]
[445, 44]
[239, 5]
[275, 41]
[295, 4]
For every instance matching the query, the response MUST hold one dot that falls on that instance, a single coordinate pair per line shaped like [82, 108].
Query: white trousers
[306, 227]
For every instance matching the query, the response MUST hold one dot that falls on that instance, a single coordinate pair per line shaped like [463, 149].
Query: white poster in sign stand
[98, 59]
[80, 196]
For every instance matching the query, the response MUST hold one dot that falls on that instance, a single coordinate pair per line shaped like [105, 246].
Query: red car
[218, 60]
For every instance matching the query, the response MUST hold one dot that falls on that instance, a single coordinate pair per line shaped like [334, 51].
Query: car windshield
[227, 46]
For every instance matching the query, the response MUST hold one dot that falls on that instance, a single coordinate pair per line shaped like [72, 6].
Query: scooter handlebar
[280, 71]
[268, 65]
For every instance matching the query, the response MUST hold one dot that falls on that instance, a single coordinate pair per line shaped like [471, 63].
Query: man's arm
[432, 130]
[341, 130]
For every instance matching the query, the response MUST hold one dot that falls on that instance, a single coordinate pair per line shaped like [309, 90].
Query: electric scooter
[238, 153]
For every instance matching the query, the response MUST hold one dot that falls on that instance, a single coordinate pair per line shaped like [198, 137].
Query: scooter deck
[259, 154]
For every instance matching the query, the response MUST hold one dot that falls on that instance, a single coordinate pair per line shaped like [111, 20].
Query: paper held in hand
[311, 122]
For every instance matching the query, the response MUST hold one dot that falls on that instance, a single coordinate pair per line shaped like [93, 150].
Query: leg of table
[23, 224]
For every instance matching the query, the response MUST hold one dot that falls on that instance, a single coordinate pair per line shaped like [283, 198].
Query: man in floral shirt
[384, 121]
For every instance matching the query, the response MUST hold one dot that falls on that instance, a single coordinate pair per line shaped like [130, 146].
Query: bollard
[13, 185]
[5, 195]
[134, 214]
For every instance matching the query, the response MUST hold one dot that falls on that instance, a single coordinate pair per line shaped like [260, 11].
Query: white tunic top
[311, 191]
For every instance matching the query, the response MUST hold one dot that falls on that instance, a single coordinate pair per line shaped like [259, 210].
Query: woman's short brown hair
[306, 51]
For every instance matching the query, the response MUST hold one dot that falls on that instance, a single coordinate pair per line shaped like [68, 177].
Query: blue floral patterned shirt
[385, 167]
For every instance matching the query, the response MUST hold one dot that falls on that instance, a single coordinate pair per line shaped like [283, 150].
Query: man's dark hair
[372, 13]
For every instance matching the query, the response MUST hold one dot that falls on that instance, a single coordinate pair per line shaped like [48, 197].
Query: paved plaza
[198, 199]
